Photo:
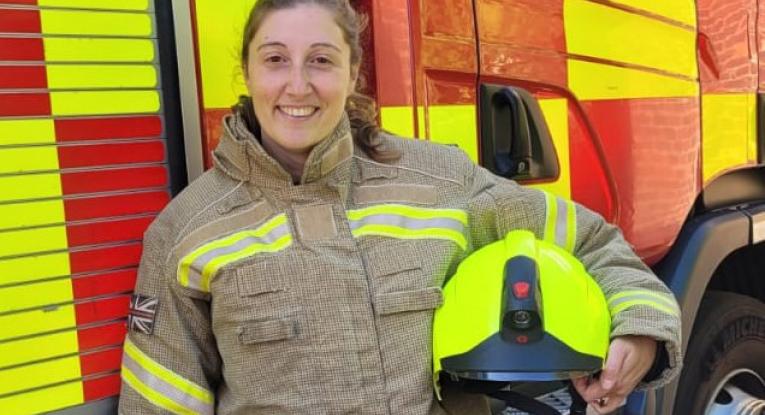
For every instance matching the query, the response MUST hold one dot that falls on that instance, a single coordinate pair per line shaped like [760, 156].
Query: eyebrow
[317, 44]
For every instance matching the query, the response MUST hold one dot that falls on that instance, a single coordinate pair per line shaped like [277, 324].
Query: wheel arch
[728, 218]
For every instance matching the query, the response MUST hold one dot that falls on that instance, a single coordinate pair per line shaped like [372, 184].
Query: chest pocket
[428, 298]
[267, 290]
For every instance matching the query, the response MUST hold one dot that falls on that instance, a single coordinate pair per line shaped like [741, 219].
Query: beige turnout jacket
[259, 296]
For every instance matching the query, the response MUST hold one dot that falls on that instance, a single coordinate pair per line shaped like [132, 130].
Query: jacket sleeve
[639, 303]
[170, 362]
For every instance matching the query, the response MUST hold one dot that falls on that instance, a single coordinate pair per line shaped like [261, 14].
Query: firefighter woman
[301, 273]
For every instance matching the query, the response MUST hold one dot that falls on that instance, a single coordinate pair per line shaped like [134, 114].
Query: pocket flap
[264, 276]
[418, 300]
[393, 258]
[269, 330]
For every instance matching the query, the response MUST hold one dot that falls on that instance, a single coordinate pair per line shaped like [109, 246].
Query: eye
[323, 60]
[274, 59]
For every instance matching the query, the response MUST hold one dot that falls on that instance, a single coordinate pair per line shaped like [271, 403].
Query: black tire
[728, 335]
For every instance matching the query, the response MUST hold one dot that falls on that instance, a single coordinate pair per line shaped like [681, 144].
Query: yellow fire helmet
[518, 310]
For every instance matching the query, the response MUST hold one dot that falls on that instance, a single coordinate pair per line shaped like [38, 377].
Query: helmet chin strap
[528, 404]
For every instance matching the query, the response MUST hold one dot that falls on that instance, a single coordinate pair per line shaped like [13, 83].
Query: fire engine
[648, 112]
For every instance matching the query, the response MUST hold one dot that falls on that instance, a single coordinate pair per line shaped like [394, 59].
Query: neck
[292, 162]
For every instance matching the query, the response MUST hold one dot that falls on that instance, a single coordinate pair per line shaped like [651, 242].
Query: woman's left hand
[629, 359]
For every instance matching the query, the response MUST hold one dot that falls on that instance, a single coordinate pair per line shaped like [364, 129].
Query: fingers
[612, 371]
[608, 405]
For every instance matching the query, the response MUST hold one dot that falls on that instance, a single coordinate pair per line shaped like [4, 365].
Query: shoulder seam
[203, 210]
[424, 173]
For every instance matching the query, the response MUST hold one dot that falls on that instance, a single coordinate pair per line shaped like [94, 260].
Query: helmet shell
[468, 340]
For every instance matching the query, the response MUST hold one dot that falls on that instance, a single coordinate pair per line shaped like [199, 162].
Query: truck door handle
[515, 140]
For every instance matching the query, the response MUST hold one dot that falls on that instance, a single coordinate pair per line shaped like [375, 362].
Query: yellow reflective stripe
[570, 226]
[101, 76]
[211, 267]
[16, 160]
[66, 49]
[404, 233]
[682, 11]
[551, 217]
[19, 215]
[104, 102]
[454, 124]
[556, 115]
[33, 268]
[26, 296]
[27, 241]
[594, 81]
[151, 395]
[408, 222]
[31, 186]
[408, 211]
[729, 125]
[38, 348]
[627, 304]
[155, 368]
[27, 132]
[216, 264]
[97, 4]
[78, 22]
[626, 299]
[398, 120]
[43, 400]
[37, 321]
[604, 32]
[39, 374]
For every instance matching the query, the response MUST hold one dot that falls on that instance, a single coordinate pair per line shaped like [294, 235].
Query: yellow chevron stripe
[97, 4]
[104, 102]
[43, 400]
[39, 374]
[682, 11]
[729, 132]
[38, 348]
[101, 76]
[36, 321]
[33, 268]
[604, 32]
[595, 81]
[27, 132]
[79, 22]
[68, 49]
[28, 159]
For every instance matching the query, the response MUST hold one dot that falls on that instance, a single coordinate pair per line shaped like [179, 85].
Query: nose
[299, 82]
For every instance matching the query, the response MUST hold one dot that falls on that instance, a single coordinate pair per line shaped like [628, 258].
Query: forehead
[298, 26]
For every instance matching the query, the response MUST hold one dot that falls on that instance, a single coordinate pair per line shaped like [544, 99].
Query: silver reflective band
[199, 264]
[408, 223]
[561, 220]
[165, 389]
[656, 301]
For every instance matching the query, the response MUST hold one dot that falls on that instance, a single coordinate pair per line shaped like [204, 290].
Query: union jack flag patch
[143, 310]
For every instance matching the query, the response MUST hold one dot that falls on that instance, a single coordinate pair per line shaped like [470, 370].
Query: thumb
[617, 354]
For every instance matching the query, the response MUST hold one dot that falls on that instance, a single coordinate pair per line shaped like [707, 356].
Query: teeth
[298, 111]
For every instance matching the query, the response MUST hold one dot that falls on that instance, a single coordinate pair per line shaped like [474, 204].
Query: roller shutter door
[90, 152]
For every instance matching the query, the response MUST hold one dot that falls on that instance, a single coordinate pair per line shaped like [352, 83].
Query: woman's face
[299, 76]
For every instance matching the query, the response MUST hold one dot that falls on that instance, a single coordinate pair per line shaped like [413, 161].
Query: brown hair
[361, 109]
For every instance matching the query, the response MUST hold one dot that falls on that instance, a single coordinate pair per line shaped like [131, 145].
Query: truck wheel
[724, 370]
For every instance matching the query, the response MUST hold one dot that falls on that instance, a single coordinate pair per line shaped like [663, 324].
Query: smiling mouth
[301, 112]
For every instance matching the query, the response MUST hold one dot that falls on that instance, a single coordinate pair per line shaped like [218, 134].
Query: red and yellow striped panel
[82, 174]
